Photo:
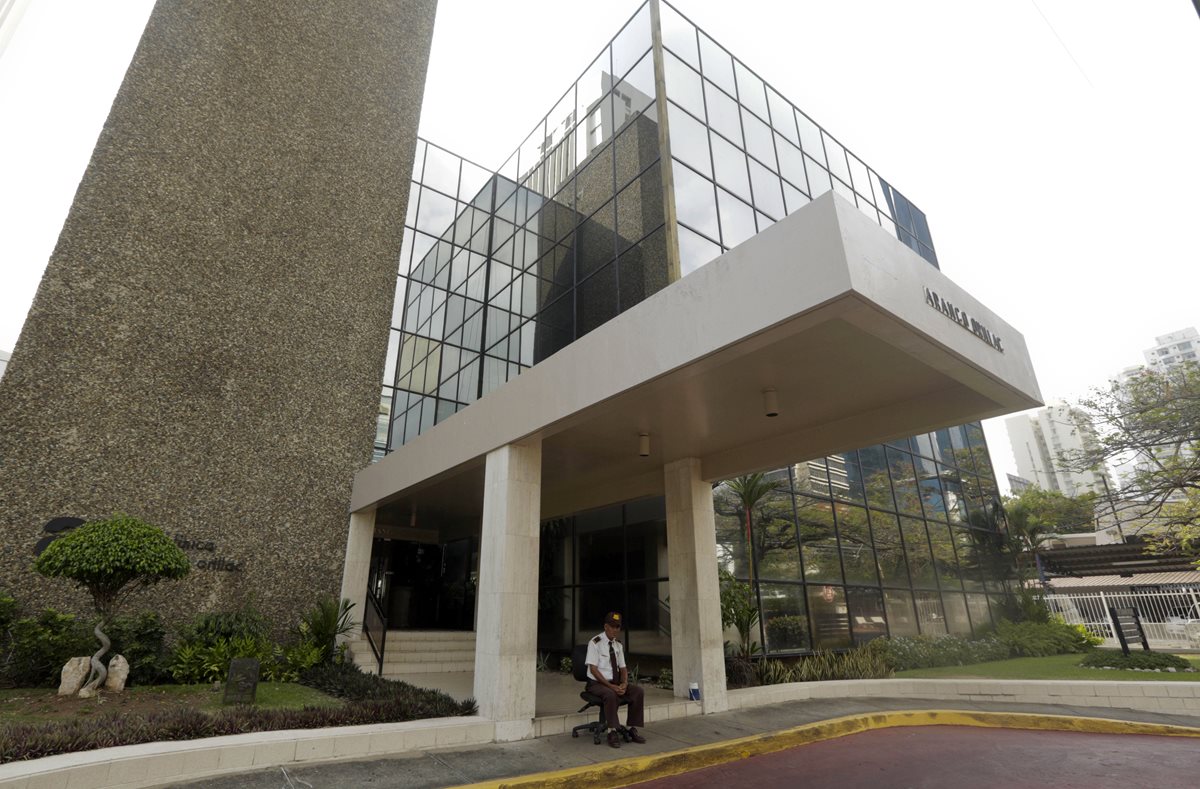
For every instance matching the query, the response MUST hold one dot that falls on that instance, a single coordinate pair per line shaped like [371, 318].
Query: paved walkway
[451, 767]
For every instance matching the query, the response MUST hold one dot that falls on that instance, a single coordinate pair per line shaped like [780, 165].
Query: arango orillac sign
[960, 317]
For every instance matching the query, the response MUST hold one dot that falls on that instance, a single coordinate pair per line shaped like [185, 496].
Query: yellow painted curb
[624, 772]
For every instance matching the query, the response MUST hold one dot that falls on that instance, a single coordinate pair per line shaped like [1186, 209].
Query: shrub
[209, 662]
[665, 680]
[1040, 639]
[910, 652]
[565, 665]
[774, 672]
[34, 649]
[1110, 658]
[208, 629]
[33, 741]
[323, 623]
[866, 663]
[347, 681]
[140, 640]
[787, 632]
[739, 671]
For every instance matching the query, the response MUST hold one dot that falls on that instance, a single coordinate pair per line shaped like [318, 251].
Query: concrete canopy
[824, 306]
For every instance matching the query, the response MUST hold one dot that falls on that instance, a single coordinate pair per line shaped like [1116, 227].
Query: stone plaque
[242, 685]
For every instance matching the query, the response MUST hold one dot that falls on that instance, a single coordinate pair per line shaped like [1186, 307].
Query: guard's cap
[612, 618]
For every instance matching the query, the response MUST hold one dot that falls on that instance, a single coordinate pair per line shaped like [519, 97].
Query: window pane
[683, 86]
[977, 606]
[689, 140]
[867, 618]
[694, 251]
[737, 219]
[750, 91]
[678, 35]
[930, 614]
[717, 64]
[601, 547]
[957, 620]
[723, 114]
[888, 549]
[920, 562]
[858, 555]
[784, 617]
[819, 540]
[902, 621]
[696, 202]
[830, 618]
[730, 166]
[768, 196]
[778, 556]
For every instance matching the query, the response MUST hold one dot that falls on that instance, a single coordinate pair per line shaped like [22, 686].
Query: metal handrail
[375, 627]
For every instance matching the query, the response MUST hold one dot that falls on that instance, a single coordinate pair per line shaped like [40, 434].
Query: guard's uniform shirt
[597, 655]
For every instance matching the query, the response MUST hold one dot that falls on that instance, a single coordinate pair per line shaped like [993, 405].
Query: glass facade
[501, 269]
[888, 539]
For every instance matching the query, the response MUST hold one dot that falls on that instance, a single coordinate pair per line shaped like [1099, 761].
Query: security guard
[610, 681]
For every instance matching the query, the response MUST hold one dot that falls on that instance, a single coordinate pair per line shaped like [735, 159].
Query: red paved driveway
[963, 757]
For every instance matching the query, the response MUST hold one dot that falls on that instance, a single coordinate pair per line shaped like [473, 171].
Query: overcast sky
[1051, 144]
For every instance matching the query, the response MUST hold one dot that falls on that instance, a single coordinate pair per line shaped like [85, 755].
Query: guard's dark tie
[612, 659]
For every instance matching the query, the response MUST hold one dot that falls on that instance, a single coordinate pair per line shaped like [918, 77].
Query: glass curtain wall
[501, 269]
[610, 559]
[744, 157]
[889, 539]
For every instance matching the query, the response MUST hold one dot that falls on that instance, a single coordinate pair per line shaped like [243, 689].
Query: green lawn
[1054, 667]
[36, 705]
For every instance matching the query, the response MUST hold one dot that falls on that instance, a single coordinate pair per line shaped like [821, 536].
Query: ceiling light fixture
[644, 445]
[770, 401]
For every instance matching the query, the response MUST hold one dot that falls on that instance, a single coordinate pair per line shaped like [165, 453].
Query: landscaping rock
[118, 673]
[87, 693]
[73, 675]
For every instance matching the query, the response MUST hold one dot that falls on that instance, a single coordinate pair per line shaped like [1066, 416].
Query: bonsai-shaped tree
[112, 559]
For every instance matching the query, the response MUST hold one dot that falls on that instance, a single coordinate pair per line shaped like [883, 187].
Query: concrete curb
[646, 768]
[157, 763]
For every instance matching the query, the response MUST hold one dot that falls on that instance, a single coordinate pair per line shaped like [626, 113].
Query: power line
[1062, 43]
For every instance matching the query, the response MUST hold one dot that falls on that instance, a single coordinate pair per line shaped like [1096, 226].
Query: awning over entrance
[861, 339]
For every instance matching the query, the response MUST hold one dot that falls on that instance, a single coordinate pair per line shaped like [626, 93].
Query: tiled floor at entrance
[557, 694]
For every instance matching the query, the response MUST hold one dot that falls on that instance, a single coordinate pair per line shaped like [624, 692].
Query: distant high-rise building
[1039, 441]
[1018, 484]
[4, 357]
[1171, 349]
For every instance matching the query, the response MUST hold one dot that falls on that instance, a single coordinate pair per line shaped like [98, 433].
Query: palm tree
[750, 490]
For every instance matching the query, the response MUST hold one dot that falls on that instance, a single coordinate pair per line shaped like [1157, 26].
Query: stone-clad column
[206, 347]
[697, 641]
[359, 541]
[506, 629]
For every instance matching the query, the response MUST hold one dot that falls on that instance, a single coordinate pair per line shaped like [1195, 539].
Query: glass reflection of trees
[899, 538]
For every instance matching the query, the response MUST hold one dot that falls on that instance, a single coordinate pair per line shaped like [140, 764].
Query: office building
[581, 349]
[678, 279]
[1044, 441]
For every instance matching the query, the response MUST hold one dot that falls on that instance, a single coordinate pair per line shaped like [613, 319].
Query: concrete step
[456, 656]
[432, 635]
[440, 667]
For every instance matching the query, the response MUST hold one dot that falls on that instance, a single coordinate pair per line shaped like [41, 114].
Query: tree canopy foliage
[113, 558]
[1035, 514]
[1152, 419]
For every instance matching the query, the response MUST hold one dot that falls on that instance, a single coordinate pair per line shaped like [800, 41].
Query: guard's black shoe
[614, 739]
[636, 736]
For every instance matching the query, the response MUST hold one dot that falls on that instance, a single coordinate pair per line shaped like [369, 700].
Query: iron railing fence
[1171, 619]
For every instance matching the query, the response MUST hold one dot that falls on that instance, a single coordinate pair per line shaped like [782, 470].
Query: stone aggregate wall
[206, 346]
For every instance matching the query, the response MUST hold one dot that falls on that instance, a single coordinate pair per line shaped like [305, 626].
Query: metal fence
[1171, 619]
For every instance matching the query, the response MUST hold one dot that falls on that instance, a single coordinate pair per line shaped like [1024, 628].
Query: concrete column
[697, 641]
[357, 567]
[506, 629]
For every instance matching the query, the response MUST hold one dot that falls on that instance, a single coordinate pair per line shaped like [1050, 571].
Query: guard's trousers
[637, 702]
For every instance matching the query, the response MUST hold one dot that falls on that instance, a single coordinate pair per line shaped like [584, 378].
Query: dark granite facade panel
[206, 345]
